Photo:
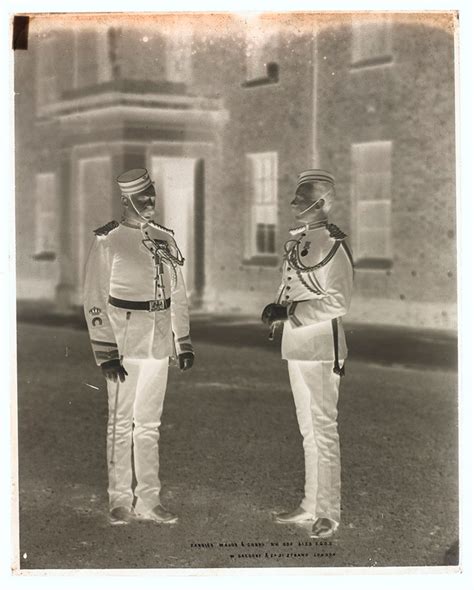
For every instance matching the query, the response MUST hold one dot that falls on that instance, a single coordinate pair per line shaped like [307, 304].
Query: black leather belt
[153, 305]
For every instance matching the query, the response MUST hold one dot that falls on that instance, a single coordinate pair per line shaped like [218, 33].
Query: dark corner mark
[20, 32]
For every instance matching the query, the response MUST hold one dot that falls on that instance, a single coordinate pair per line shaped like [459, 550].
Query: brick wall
[410, 102]
[271, 117]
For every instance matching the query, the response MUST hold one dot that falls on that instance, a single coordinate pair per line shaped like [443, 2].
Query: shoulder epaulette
[335, 232]
[107, 228]
[161, 227]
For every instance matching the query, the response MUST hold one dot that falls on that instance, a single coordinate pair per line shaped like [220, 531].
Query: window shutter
[372, 200]
[179, 57]
[46, 230]
[47, 83]
[371, 40]
[86, 66]
[104, 62]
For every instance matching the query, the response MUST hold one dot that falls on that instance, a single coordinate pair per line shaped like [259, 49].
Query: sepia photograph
[236, 291]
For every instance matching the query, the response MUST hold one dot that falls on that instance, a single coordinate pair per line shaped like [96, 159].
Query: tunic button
[287, 296]
[288, 288]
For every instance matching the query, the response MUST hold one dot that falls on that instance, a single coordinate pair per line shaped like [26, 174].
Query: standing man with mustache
[137, 315]
[314, 295]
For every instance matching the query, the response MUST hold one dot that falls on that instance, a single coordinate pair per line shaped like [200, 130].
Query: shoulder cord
[292, 255]
[163, 253]
[307, 285]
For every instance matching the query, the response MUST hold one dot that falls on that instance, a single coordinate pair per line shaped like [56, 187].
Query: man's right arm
[96, 292]
[336, 300]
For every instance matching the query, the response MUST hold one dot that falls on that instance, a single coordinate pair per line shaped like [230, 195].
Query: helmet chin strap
[129, 197]
[315, 202]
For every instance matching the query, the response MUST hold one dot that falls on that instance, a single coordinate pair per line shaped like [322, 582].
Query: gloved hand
[274, 312]
[186, 360]
[113, 370]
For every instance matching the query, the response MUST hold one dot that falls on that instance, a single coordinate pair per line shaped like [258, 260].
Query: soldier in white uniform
[314, 294]
[137, 314]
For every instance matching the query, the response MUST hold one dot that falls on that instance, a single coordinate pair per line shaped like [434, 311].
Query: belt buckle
[156, 305]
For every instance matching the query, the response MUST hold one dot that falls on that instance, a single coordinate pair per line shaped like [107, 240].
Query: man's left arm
[180, 323]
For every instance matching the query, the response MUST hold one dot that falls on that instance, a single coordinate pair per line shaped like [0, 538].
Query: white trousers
[315, 390]
[137, 419]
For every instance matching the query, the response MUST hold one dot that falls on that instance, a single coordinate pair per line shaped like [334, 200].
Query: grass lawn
[230, 455]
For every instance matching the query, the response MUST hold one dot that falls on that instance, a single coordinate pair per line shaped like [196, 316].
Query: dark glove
[186, 360]
[114, 370]
[274, 312]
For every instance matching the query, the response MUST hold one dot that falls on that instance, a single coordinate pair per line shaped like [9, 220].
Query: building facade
[225, 111]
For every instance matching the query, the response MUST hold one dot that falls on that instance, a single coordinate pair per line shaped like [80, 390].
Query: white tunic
[121, 266]
[315, 298]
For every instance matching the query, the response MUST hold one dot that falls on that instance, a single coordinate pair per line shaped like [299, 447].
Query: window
[47, 83]
[179, 57]
[46, 230]
[262, 171]
[93, 64]
[371, 176]
[261, 53]
[371, 42]
[104, 54]
[113, 35]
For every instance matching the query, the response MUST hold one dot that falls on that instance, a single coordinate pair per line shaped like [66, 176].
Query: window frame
[46, 228]
[261, 56]
[262, 190]
[47, 90]
[363, 258]
[362, 54]
[179, 49]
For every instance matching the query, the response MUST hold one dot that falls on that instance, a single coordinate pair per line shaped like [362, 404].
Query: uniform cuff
[294, 320]
[184, 344]
[104, 351]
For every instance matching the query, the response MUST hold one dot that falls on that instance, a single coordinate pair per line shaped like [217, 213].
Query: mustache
[312, 204]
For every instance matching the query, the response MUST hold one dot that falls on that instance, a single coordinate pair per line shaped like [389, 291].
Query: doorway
[179, 207]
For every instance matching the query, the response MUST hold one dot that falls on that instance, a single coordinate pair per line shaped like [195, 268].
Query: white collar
[308, 226]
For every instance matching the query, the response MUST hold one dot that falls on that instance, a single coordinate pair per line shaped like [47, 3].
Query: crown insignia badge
[95, 310]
